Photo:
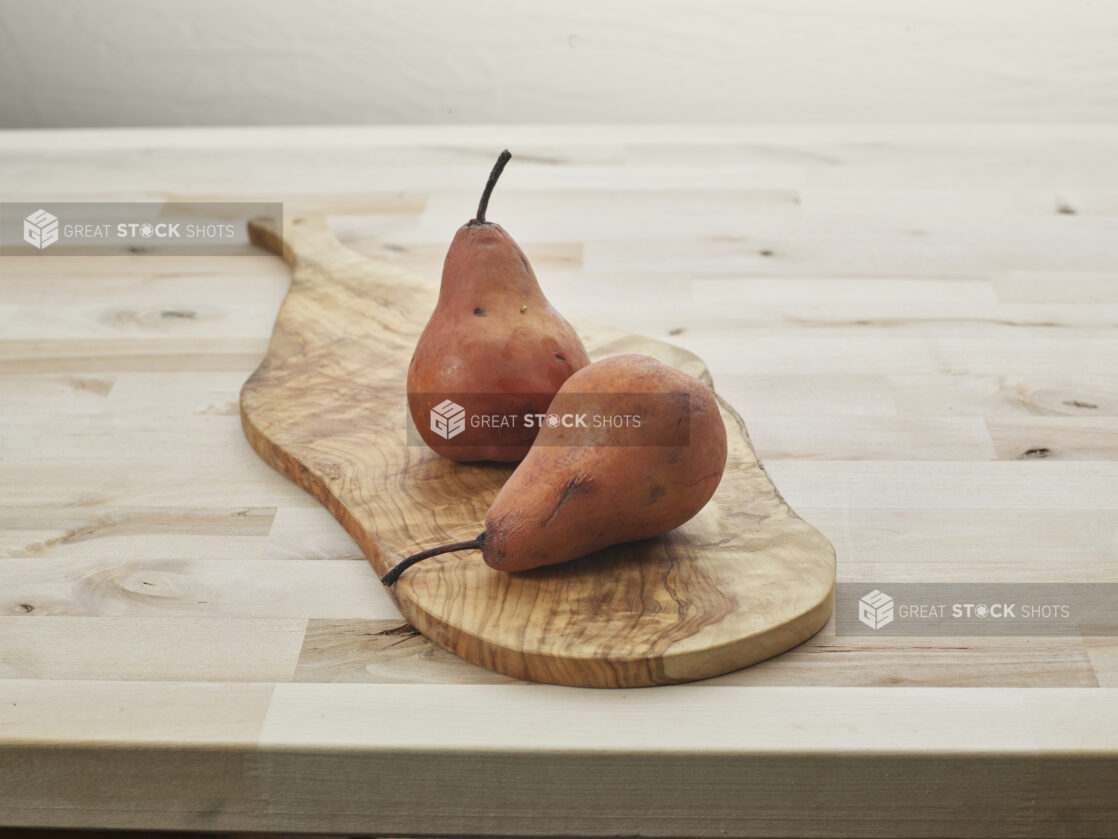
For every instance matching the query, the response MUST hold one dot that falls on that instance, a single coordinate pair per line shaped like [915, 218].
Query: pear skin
[583, 489]
[493, 340]
[566, 501]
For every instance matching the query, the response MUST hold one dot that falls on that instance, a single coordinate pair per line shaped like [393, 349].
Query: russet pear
[585, 487]
[494, 345]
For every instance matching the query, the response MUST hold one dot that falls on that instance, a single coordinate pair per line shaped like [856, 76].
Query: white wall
[202, 62]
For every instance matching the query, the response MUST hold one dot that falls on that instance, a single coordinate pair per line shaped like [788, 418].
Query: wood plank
[1103, 653]
[974, 545]
[129, 713]
[815, 246]
[32, 352]
[870, 438]
[309, 533]
[868, 352]
[1001, 485]
[929, 202]
[382, 651]
[826, 661]
[553, 719]
[61, 357]
[587, 214]
[849, 395]
[70, 394]
[153, 283]
[107, 533]
[164, 649]
[176, 393]
[998, 735]
[127, 754]
[1033, 286]
[1077, 392]
[187, 484]
[322, 753]
[850, 293]
[425, 259]
[391, 652]
[1063, 438]
[219, 588]
[108, 320]
[694, 766]
[210, 438]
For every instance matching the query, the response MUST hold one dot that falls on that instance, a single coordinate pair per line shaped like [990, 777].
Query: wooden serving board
[743, 581]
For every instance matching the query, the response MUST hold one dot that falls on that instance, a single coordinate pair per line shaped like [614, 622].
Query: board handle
[303, 236]
[307, 241]
[263, 233]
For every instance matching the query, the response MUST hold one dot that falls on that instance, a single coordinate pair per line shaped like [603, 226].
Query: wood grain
[744, 580]
[109, 686]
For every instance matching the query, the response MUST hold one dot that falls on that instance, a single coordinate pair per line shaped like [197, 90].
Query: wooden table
[900, 313]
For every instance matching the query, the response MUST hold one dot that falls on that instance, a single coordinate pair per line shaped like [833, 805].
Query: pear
[584, 488]
[493, 347]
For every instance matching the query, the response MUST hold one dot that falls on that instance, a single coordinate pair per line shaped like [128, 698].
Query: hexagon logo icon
[448, 419]
[875, 609]
[40, 229]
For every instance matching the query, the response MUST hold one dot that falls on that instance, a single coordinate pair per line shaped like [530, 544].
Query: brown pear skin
[492, 332]
[567, 501]
[564, 502]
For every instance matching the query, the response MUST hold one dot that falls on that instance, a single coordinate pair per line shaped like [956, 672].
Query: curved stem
[498, 168]
[393, 575]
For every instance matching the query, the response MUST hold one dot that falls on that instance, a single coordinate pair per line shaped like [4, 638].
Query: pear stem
[393, 575]
[498, 168]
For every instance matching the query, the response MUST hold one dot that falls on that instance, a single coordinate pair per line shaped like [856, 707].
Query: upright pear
[652, 462]
[494, 347]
